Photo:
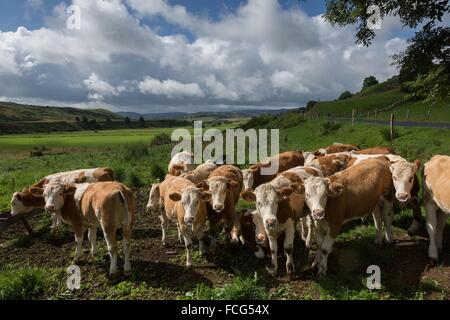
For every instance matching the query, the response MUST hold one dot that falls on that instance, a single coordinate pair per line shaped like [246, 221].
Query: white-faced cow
[83, 206]
[248, 228]
[181, 162]
[254, 176]
[436, 196]
[351, 194]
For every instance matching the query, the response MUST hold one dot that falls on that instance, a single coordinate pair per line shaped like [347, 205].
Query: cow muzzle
[218, 208]
[50, 208]
[318, 214]
[271, 223]
[189, 220]
[402, 197]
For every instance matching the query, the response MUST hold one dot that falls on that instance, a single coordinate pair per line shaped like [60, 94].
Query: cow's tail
[126, 197]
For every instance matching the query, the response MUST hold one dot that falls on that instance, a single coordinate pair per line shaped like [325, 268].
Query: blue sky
[153, 55]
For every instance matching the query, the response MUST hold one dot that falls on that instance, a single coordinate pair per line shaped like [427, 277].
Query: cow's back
[437, 180]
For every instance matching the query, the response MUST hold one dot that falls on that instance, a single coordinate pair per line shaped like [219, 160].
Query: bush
[23, 283]
[345, 95]
[239, 289]
[161, 139]
[386, 134]
[133, 151]
[133, 180]
[328, 128]
[157, 172]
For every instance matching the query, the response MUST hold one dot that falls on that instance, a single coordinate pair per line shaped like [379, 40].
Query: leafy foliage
[345, 95]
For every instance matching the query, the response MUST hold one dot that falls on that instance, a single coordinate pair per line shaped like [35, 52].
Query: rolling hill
[28, 113]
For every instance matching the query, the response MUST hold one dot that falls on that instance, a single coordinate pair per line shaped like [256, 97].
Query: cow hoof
[189, 265]
[271, 271]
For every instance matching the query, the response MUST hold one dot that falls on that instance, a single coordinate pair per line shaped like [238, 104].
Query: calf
[335, 148]
[248, 228]
[279, 212]
[21, 201]
[83, 206]
[436, 196]
[253, 176]
[224, 184]
[200, 173]
[184, 203]
[348, 195]
[332, 163]
[180, 163]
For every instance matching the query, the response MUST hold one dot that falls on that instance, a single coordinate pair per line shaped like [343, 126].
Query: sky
[195, 55]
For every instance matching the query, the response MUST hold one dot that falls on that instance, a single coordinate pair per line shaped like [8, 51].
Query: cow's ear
[37, 192]
[70, 190]
[284, 193]
[205, 195]
[203, 185]
[417, 164]
[298, 187]
[232, 184]
[253, 168]
[178, 167]
[266, 164]
[335, 188]
[175, 196]
[18, 196]
[248, 196]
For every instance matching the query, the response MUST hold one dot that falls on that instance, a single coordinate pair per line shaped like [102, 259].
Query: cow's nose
[271, 222]
[188, 220]
[50, 208]
[402, 196]
[260, 238]
[318, 213]
[218, 207]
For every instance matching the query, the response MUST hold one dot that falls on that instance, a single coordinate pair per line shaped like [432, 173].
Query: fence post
[368, 114]
[331, 118]
[428, 114]
[391, 124]
[407, 114]
[317, 114]
[376, 113]
[353, 117]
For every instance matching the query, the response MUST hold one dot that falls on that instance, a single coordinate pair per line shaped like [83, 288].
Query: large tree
[425, 63]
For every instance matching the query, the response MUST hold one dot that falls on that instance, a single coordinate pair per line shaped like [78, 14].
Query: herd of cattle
[313, 192]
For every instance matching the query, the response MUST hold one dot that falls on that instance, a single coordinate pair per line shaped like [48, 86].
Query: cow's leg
[302, 228]
[188, 244]
[378, 225]
[201, 244]
[310, 226]
[180, 238]
[289, 246]
[56, 220]
[111, 242]
[164, 228]
[126, 243]
[273, 244]
[79, 235]
[388, 213]
[319, 241]
[92, 236]
[326, 248]
[417, 216]
[431, 223]
[441, 219]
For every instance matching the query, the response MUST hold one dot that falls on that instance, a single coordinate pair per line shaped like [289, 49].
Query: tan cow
[84, 206]
[224, 185]
[376, 150]
[200, 173]
[18, 205]
[254, 176]
[436, 196]
[280, 204]
[331, 163]
[335, 148]
[180, 163]
[184, 204]
[351, 194]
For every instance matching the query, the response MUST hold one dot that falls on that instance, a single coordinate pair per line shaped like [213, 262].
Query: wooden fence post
[353, 117]
[407, 114]
[317, 114]
[428, 114]
[331, 118]
[376, 113]
[391, 124]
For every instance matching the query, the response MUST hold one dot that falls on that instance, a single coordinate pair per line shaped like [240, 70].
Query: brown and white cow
[436, 196]
[248, 228]
[254, 176]
[29, 198]
[376, 150]
[84, 206]
[200, 173]
[185, 204]
[331, 163]
[224, 184]
[336, 148]
[180, 163]
[351, 194]
[280, 204]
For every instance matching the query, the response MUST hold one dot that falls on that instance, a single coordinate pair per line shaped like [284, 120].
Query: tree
[84, 122]
[428, 50]
[77, 119]
[369, 81]
[127, 121]
[142, 122]
[108, 121]
[310, 104]
[345, 95]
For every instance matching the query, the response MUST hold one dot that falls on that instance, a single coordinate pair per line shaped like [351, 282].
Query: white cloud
[99, 89]
[170, 88]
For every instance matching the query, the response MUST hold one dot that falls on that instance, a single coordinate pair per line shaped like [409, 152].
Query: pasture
[234, 273]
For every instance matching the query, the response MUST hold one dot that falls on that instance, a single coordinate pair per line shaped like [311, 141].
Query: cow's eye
[410, 180]
[395, 178]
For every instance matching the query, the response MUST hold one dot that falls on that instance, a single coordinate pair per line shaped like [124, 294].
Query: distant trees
[108, 122]
[142, 123]
[345, 95]
[127, 121]
[369, 81]
[310, 104]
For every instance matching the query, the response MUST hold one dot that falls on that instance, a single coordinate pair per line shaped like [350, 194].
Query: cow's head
[27, 200]
[218, 187]
[267, 198]
[403, 173]
[55, 195]
[249, 178]
[154, 198]
[317, 191]
[179, 169]
[191, 198]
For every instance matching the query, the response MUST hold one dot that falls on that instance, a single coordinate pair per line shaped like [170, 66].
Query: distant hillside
[29, 113]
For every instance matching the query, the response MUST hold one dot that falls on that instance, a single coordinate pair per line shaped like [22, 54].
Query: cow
[200, 173]
[84, 206]
[436, 197]
[224, 184]
[331, 163]
[185, 204]
[348, 195]
[280, 204]
[335, 148]
[254, 176]
[248, 228]
[180, 163]
[376, 150]
[29, 198]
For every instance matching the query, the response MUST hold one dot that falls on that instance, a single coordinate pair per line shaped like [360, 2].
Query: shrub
[133, 180]
[345, 95]
[161, 139]
[157, 172]
[386, 134]
[23, 283]
[133, 151]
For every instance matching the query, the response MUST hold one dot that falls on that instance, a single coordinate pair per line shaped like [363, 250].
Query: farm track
[163, 269]
[436, 125]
